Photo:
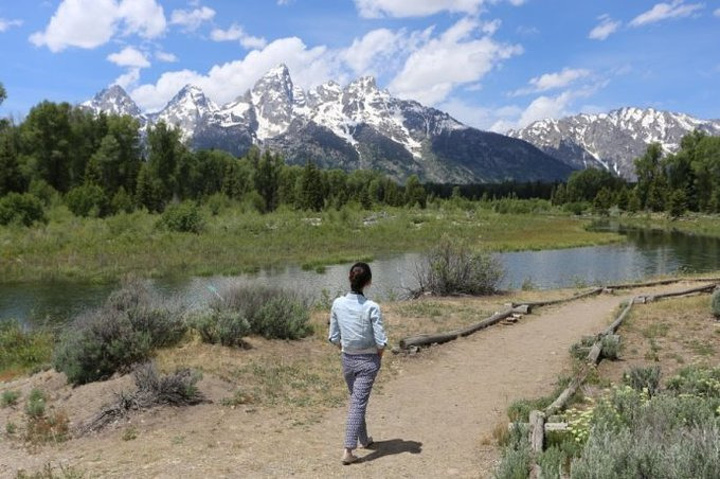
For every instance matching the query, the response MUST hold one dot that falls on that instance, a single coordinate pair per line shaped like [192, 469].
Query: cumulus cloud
[552, 81]
[414, 8]
[604, 29]
[144, 17]
[91, 23]
[7, 24]
[129, 57]
[192, 19]
[166, 57]
[665, 11]
[375, 52]
[223, 83]
[430, 64]
[460, 55]
[482, 117]
[129, 79]
[236, 33]
[717, 12]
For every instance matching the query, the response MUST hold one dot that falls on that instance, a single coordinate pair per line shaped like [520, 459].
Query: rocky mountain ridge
[612, 140]
[351, 127]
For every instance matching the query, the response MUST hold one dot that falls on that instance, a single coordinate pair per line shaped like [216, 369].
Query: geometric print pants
[360, 371]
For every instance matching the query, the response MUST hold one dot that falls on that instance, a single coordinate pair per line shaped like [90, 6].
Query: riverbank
[236, 241]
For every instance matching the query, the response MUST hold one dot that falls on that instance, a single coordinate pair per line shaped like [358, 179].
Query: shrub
[183, 217]
[610, 344]
[219, 326]
[9, 398]
[696, 381]
[23, 350]
[452, 268]
[581, 349]
[122, 332]
[640, 379]
[122, 202]
[35, 406]
[88, 200]
[715, 303]
[24, 209]
[270, 312]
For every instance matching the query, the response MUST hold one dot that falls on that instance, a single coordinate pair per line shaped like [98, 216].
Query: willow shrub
[451, 267]
[125, 330]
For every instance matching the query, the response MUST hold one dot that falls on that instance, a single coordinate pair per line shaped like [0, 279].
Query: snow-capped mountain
[351, 127]
[115, 101]
[612, 140]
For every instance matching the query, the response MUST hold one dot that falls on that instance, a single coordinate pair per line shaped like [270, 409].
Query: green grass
[238, 241]
[23, 351]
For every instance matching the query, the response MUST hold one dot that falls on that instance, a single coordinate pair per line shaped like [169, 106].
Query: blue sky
[493, 64]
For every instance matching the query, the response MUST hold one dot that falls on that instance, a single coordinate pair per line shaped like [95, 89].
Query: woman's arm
[334, 334]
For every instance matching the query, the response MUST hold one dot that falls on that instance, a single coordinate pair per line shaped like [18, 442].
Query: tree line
[688, 180]
[104, 164]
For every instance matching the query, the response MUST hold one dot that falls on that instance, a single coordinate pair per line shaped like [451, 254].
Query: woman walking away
[356, 327]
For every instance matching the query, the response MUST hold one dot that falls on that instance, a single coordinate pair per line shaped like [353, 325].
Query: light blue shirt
[356, 324]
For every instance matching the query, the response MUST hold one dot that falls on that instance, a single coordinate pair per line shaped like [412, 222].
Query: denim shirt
[356, 324]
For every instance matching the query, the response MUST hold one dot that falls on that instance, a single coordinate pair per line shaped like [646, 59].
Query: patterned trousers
[360, 371]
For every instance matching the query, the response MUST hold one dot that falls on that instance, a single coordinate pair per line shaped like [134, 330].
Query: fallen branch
[538, 304]
[699, 289]
[428, 339]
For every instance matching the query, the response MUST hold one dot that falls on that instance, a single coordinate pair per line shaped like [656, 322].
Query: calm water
[645, 254]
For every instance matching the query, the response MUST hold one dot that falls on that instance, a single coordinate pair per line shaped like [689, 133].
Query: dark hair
[360, 276]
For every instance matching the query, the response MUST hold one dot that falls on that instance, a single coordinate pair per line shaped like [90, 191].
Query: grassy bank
[236, 241]
[705, 225]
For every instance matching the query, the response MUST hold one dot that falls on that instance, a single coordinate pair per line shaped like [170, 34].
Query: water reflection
[647, 253]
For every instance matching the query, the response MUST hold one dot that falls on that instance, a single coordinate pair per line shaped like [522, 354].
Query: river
[645, 254]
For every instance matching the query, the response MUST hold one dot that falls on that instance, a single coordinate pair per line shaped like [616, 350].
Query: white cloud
[481, 117]
[717, 12]
[375, 52]
[144, 17]
[91, 23]
[604, 29]
[552, 81]
[129, 57]
[457, 56]
[223, 83]
[236, 33]
[7, 24]
[129, 79]
[166, 57]
[79, 23]
[414, 8]
[431, 64]
[664, 11]
[192, 19]
[546, 107]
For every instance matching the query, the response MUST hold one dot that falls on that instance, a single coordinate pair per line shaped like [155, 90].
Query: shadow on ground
[392, 447]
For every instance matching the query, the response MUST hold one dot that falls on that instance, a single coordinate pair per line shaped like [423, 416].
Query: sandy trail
[435, 419]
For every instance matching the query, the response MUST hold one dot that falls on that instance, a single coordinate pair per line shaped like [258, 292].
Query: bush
[220, 326]
[270, 312]
[183, 217]
[122, 332]
[696, 381]
[715, 303]
[23, 350]
[452, 268]
[35, 406]
[24, 209]
[9, 398]
[640, 379]
[88, 200]
[610, 344]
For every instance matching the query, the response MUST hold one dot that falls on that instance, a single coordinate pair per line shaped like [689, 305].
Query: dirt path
[435, 419]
